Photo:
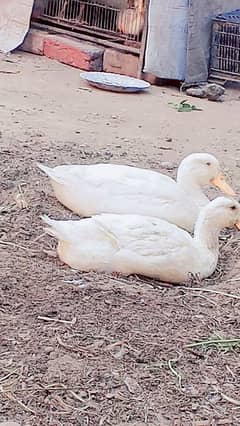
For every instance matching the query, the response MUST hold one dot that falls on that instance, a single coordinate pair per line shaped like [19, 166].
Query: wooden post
[144, 40]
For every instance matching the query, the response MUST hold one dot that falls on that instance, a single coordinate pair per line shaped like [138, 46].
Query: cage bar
[225, 49]
[120, 21]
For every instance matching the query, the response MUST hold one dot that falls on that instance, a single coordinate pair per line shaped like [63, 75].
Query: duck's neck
[206, 235]
[192, 188]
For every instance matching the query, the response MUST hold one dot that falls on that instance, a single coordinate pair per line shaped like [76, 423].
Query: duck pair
[140, 219]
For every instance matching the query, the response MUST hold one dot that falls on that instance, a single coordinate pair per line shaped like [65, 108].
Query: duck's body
[132, 244]
[110, 188]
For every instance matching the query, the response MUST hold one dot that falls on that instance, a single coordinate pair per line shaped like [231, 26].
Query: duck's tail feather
[52, 173]
[55, 228]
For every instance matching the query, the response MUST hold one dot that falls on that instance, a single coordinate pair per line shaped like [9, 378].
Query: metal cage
[120, 21]
[225, 49]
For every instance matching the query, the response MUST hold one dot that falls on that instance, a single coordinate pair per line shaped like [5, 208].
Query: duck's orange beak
[237, 225]
[220, 182]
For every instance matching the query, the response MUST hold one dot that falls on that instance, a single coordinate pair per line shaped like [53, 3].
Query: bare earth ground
[88, 349]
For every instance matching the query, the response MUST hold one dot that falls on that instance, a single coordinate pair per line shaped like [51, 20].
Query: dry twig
[221, 293]
[174, 371]
[226, 397]
[72, 322]
[10, 396]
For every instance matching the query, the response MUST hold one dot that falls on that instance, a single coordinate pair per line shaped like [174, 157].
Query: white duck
[132, 244]
[110, 188]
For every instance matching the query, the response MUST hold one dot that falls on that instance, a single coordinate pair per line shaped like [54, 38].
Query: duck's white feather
[108, 188]
[149, 246]
[128, 244]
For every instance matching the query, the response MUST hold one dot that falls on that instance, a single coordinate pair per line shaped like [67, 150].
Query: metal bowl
[115, 82]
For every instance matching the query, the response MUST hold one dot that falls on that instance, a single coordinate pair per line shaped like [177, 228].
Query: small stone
[48, 349]
[195, 406]
[52, 356]
[131, 384]
[213, 92]
[198, 92]
[167, 164]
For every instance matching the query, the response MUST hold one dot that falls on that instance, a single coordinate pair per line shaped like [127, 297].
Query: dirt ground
[91, 349]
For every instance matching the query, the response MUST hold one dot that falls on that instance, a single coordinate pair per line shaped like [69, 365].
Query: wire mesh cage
[121, 21]
[225, 49]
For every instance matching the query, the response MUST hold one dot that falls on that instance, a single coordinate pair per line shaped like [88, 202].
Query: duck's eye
[208, 163]
[233, 207]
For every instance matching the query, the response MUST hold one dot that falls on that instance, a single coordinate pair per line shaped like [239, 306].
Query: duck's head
[203, 169]
[222, 212]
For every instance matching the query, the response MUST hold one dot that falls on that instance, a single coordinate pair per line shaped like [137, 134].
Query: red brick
[34, 42]
[72, 52]
[120, 63]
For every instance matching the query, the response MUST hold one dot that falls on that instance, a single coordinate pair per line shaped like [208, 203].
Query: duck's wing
[106, 175]
[145, 236]
[126, 187]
